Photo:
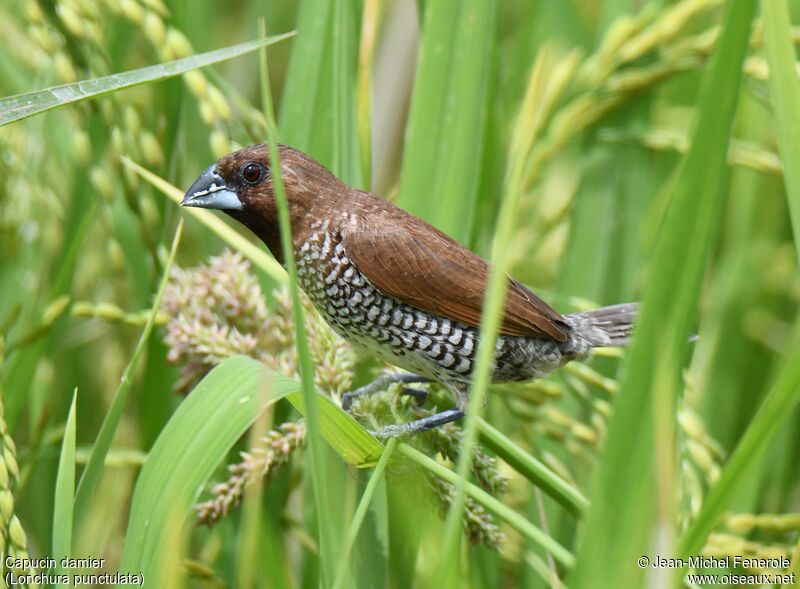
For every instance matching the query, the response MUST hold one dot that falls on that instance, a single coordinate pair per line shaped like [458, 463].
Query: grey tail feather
[607, 326]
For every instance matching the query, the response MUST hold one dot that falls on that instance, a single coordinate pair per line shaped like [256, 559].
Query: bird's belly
[414, 340]
[426, 344]
[411, 339]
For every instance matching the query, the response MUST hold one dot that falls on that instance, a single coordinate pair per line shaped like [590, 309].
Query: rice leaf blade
[441, 165]
[196, 439]
[784, 88]
[634, 469]
[65, 490]
[22, 106]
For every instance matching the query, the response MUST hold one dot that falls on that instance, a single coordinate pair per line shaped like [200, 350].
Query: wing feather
[414, 262]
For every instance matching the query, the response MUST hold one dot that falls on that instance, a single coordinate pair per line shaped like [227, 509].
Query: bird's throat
[266, 230]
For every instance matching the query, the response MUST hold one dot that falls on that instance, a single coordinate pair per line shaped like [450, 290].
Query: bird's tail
[607, 326]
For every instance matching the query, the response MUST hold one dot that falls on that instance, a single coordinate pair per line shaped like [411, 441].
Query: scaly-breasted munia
[393, 284]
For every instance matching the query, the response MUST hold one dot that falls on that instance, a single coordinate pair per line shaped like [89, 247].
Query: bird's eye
[252, 172]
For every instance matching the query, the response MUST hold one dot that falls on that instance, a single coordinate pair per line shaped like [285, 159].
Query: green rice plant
[440, 173]
[304, 102]
[103, 443]
[785, 90]
[779, 403]
[229, 400]
[65, 491]
[319, 479]
[645, 411]
[522, 144]
[13, 540]
[363, 505]
[576, 144]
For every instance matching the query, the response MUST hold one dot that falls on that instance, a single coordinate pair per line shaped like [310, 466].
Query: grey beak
[210, 191]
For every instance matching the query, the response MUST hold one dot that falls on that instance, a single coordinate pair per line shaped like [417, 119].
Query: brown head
[241, 185]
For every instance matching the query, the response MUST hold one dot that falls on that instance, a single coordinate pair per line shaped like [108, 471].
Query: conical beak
[210, 191]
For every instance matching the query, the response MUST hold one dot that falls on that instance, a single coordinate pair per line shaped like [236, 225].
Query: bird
[391, 283]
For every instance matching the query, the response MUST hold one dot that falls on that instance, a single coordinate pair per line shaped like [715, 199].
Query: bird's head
[241, 184]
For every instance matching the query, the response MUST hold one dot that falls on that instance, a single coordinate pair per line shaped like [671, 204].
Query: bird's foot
[381, 383]
[418, 425]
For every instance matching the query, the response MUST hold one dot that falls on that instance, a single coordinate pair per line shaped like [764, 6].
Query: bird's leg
[420, 395]
[419, 425]
[380, 384]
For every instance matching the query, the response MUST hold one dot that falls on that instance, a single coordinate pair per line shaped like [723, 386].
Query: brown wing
[405, 257]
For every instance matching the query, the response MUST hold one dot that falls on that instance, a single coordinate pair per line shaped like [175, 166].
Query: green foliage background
[601, 151]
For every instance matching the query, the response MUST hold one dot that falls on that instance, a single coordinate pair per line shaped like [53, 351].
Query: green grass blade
[370, 22]
[344, 434]
[508, 515]
[22, 106]
[444, 141]
[361, 512]
[778, 406]
[195, 440]
[104, 438]
[634, 489]
[301, 93]
[318, 471]
[784, 88]
[496, 287]
[260, 258]
[65, 490]
[533, 470]
[346, 160]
